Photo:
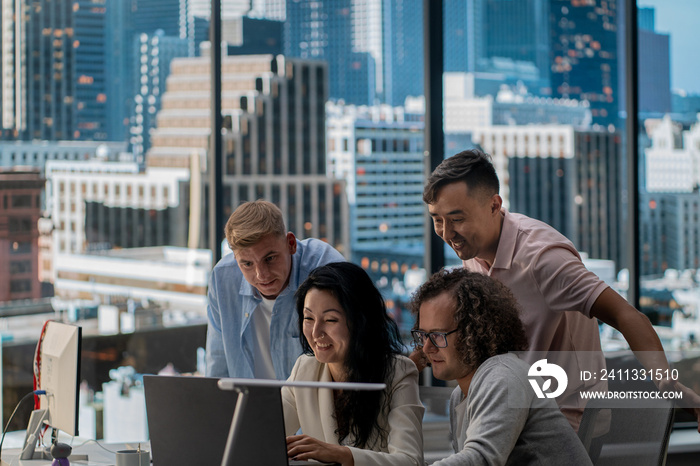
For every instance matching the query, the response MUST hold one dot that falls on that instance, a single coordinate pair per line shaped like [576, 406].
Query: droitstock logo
[547, 371]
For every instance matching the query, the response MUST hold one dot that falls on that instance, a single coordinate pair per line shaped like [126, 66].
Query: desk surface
[684, 441]
[99, 454]
[681, 441]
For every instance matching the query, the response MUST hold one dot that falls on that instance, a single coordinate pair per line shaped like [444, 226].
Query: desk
[683, 443]
[98, 454]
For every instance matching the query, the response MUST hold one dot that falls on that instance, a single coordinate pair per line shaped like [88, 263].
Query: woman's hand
[303, 447]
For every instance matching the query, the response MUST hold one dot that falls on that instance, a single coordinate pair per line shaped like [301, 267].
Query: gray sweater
[502, 422]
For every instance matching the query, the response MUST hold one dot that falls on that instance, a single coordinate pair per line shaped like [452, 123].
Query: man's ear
[496, 204]
[291, 242]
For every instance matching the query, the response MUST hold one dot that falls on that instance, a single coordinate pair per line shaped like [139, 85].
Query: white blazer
[312, 410]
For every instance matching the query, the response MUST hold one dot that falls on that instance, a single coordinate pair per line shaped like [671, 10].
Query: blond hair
[251, 221]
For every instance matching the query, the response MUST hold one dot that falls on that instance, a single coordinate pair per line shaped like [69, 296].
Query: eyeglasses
[438, 339]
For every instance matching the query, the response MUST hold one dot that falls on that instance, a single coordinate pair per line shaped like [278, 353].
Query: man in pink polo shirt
[559, 297]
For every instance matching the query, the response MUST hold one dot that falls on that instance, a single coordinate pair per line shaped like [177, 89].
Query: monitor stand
[29, 451]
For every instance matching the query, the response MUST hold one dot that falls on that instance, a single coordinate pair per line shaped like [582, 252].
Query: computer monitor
[58, 373]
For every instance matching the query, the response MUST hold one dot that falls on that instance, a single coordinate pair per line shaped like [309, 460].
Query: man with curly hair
[466, 324]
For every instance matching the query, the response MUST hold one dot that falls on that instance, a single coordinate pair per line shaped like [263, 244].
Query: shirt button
[246, 315]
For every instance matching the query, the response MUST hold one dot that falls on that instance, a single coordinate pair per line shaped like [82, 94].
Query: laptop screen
[188, 419]
[257, 433]
[257, 430]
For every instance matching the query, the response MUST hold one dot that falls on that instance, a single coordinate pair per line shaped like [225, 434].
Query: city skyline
[584, 55]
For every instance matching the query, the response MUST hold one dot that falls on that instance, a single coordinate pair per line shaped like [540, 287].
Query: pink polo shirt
[555, 292]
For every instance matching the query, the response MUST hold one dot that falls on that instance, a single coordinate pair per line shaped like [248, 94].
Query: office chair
[638, 435]
[436, 426]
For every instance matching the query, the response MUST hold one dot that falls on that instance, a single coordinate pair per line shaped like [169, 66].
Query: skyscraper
[584, 55]
[252, 36]
[153, 52]
[374, 47]
[119, 68]
[378, 151]
[654, 65]
[66, 65]
[646, 18]
[150, 15]
[38, 87]
[90, 74]
[505, 41]
[274, 140]
[518, 31]
[401, 29]
[126, 20]
[654, 72]
[459, 38]
[325, 31]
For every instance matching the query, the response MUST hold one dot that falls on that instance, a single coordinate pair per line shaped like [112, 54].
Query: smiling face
[437, 315]
[268, 263]
[326, 330]
[469, 221]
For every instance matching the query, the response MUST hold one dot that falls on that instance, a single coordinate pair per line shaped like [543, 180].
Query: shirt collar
[506, 243]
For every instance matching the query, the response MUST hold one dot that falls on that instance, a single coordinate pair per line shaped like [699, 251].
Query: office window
[21, 201]
[554, 87]
[19, 247]
[17, 267]
[20, 286]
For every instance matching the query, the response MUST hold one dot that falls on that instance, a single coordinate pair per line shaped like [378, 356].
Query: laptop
[188, 419]
[259, 419]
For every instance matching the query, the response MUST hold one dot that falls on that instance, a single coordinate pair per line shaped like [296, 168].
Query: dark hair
[374, 342]
[486, 313]
[472, 167]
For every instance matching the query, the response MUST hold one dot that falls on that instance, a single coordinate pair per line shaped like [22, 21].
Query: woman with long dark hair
[348, 337]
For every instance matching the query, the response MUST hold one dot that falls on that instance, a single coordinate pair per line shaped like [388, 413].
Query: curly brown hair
[486, 313]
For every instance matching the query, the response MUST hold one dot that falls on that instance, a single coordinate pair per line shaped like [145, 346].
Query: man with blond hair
[253, 330]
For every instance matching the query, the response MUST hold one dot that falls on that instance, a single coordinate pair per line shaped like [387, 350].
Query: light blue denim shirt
[232, 301]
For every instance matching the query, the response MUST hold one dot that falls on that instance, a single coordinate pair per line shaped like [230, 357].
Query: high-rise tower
[337, 39]
[90, 76]
[38, 76]
[274, 140]
[584, 55]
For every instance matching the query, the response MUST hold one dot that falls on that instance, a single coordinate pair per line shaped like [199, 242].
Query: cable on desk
[98, 444]
[25, 397]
